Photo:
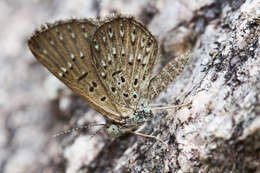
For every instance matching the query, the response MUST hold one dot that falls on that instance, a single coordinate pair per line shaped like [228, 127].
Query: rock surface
[218, 132]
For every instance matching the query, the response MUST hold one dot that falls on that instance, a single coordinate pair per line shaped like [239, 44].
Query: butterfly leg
[148, 136]
[171, 107]
[158, 104]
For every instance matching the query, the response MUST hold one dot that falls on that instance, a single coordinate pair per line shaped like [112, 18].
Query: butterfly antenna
[76, 129]
[96, 133]
[171, 107]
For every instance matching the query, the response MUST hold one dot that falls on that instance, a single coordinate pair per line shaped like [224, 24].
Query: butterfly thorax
[139, 117]
[132, 122]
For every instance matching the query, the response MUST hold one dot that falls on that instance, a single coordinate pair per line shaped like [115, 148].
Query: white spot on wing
[139, 57]
[69, 65]
[121, 30]
[109, 58]
[59, 34]
[72, 56]
[63, 69]
[103, 74]
[148, 49]
[123, 51]
[52, 42]
[114, 51]
[60, 37]
[103, 63]
[131, 57]
[133, 35]
[81, 55]
[86, 35]
[60, 74]
[110, 32]
[103, 36]
[72, 35]
[142, 43]
[96, 46]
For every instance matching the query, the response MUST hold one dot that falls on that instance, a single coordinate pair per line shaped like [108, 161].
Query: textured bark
[218, 132]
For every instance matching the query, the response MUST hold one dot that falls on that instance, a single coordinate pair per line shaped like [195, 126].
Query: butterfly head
[115, 130]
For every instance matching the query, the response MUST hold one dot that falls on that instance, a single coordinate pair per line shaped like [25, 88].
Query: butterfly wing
[124, 52]
[64, 49]
[167, 75]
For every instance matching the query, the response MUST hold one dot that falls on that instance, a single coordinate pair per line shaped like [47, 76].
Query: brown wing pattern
[124, 52]
[64, 49]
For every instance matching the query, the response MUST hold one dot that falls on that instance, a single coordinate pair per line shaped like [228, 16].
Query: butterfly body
[131, 123]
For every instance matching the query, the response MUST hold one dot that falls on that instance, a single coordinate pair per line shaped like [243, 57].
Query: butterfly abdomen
[167, 75]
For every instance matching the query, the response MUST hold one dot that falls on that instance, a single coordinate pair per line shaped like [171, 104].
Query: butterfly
[108, 64]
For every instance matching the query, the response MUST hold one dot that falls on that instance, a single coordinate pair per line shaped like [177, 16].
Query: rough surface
[218, 132]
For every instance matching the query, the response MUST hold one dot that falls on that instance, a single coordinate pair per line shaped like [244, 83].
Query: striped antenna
[76, 129]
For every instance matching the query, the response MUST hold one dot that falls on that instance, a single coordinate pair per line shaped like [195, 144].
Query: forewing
[124, 52]
[64, 49]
